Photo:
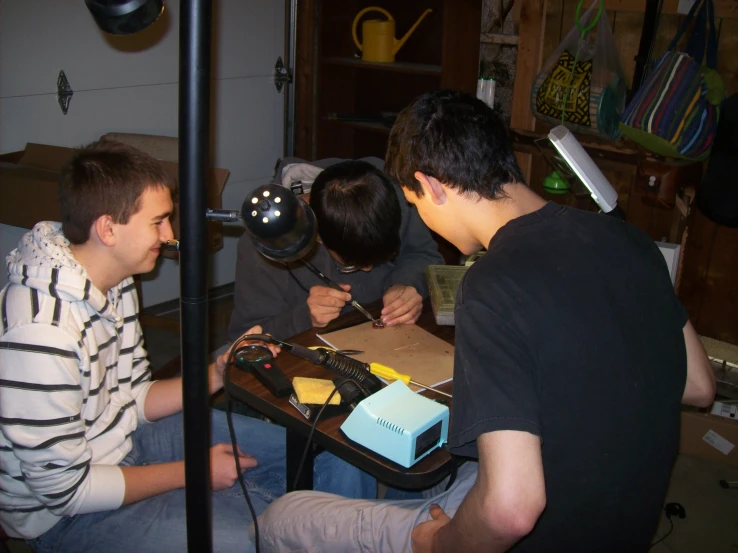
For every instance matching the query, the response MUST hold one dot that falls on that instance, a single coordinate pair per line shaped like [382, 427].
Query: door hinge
[282, 74]
[64, 92]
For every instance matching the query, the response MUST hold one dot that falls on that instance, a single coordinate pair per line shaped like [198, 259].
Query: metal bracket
[283, 75]
[64, 92]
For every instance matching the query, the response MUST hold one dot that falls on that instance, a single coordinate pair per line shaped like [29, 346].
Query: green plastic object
[554, 184]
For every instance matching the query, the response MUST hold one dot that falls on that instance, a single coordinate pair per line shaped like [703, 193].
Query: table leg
[296, 443]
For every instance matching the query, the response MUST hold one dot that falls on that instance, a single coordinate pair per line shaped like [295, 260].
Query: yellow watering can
[380, 44]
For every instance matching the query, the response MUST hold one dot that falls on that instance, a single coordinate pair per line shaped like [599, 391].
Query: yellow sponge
[314, 390]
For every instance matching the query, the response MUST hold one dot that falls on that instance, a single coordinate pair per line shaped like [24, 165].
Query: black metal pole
[194, 134]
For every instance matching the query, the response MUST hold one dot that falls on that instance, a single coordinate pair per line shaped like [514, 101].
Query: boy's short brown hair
[106, 178]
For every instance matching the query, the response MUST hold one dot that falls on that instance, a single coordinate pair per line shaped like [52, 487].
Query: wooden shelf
[330, 79]
[524, 141]
[723, 8]
[622, 151]
[495, 38]
[396, 67]
[361, 125]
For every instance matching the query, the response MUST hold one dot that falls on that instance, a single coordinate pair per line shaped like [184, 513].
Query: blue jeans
[158, 524]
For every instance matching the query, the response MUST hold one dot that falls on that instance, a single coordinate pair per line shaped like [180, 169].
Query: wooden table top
[247, 389]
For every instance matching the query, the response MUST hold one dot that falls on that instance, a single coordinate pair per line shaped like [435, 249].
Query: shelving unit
[331, 78]
[397, 66]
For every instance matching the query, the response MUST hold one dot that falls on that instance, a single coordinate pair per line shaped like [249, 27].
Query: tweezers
[363, 311]
[349, 351]
[341, 351]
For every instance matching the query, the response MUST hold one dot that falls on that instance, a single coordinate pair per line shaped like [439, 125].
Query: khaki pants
[316, 522]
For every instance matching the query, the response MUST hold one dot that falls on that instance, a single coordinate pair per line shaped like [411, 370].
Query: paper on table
[406, 348]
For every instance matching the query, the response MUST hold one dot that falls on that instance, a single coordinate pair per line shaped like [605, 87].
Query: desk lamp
[283, 229]
[124, 17]
[581, 164]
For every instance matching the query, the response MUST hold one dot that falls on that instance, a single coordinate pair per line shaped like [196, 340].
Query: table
[244, 387]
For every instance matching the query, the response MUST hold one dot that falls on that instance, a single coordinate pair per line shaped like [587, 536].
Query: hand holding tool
[383, 371]
[259, 361]
[336, 286]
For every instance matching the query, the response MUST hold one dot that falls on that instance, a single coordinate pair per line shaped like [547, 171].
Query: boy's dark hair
[358, 213]
[106, 178]
[455, 138]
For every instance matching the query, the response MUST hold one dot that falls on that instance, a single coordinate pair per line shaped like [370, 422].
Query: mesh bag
[581, 85]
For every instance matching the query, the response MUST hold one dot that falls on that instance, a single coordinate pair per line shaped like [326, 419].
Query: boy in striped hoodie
[91, 449]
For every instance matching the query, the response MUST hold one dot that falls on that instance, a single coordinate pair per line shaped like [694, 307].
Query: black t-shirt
[569, 328]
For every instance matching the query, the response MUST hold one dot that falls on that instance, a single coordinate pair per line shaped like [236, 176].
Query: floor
[711, 522]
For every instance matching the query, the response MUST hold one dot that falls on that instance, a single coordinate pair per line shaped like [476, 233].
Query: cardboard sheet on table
[408, 349]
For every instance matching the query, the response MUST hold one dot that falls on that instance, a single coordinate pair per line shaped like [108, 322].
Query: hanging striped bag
[675, 112]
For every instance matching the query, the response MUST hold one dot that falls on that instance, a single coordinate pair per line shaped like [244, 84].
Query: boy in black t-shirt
[573, 355]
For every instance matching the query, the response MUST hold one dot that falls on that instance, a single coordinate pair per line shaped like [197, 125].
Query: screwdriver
[383, 371]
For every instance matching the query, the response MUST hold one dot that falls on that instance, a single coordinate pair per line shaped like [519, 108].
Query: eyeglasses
[347, 269]
[342, 267]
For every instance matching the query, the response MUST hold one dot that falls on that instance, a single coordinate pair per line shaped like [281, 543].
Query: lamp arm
[223, 215]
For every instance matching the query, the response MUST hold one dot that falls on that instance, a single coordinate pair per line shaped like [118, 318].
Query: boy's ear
[432, 187]
[105, 230]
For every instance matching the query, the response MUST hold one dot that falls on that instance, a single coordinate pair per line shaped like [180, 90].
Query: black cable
[297, 280]
[226, 382]
[234, 444]
[454, 473]
[315, 424]
[662, 538]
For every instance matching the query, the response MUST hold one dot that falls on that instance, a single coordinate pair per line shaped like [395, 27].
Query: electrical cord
[670, 509]
[454, 472]
[332, 363]
[315, 424]
[234, 444]
[226, 385]
[297, 280]
[662, 538]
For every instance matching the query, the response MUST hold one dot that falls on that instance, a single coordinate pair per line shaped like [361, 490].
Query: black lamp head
[282, 227]
[124, 17]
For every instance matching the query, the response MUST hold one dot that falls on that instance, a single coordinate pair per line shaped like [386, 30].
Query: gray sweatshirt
[266, 294]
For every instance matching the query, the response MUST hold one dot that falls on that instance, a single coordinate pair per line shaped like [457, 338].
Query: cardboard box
[29, 182]
[709, 437]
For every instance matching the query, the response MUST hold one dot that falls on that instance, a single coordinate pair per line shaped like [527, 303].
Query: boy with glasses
[370, 241]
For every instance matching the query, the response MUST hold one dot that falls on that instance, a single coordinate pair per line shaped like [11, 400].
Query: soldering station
[394, 421]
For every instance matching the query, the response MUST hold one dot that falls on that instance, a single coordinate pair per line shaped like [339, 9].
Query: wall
[130, 84]
[709, 280]
[498, 57]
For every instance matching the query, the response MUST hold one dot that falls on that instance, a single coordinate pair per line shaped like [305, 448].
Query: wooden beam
[495, 38]
[530, 51]
[516, 12]
[462, 24]
[723, 8]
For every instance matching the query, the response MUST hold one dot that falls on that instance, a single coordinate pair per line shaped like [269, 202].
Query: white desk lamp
[584, 168]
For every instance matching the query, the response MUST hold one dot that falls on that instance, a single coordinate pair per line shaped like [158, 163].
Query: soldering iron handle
[315, 356]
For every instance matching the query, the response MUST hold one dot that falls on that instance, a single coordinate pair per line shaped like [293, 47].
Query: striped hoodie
[73, 379]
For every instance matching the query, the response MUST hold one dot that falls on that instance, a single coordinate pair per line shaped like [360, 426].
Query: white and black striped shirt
[73, 379]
